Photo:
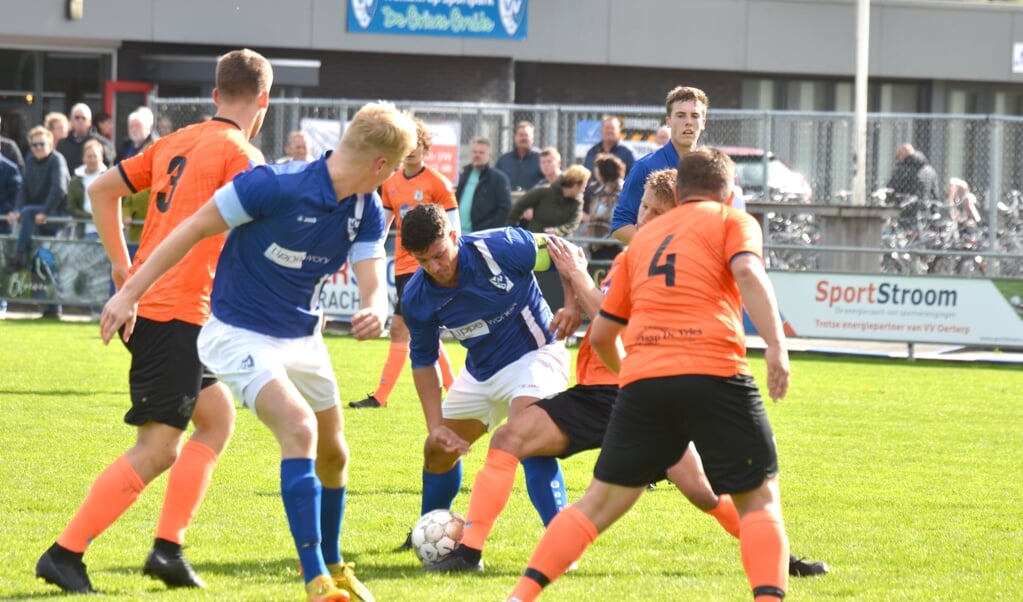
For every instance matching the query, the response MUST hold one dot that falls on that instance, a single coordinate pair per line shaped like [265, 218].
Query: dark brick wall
[365, 75]
[557, 83]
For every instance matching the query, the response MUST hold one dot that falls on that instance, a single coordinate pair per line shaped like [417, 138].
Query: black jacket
[492, 200]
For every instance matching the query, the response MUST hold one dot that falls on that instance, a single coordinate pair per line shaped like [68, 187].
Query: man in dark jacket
[483, 193]
[43, 193]
[913, 174]
[81, 131]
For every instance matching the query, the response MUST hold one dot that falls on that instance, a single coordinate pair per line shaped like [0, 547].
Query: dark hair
[610, 167]
[422, 226]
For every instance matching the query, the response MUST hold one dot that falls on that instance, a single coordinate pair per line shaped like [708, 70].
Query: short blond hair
[40, 131]
[379, 128]
[575, 174]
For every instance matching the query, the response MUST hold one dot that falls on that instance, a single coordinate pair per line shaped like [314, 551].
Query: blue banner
[492, 19]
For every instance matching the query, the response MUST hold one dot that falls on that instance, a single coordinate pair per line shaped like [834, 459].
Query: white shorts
[246, 361]
[538, 374]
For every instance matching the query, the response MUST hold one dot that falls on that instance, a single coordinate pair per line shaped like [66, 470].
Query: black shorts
[655, 419]
[582, 413]
[166, 374]
[400, 280]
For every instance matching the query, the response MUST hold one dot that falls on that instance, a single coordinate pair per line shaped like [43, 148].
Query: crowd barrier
[977, 311]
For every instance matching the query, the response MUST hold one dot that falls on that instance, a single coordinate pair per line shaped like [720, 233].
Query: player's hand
[567, 257]
[777, 358]
[118, 311]
[566, 321]
[367, 323]
[447, 440]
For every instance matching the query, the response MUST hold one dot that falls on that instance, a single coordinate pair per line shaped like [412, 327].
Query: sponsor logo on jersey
[306, 219]
[286, 258]
[471, 330]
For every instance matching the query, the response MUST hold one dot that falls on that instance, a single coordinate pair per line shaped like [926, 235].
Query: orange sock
[447, 375]
[186, 486]
[765, 553]
[726, 515]
[113, 492]
[490, 493]
[397, 355]
[564, 542]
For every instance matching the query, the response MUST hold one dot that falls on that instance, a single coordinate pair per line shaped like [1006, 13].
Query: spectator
[105, 126]
[483, 192]
[610, 142]
[550, 165]
[557, 209]
[81, 130]
[522, 163]
[43, 193]
[962, 204]
[663, 136]
[297, 147]
[10, 186]
[140, 134]
[133, 214]
[79, 205]
[164, 126]
[609, 171]
[9, 149]
[57, 123]
[913, 175]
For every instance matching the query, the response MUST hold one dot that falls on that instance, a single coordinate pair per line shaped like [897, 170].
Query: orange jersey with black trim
[182, 171]
[677, 295]
[401, 193]
[589, 370]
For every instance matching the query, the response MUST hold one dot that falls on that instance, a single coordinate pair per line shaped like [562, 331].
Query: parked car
[785, 183]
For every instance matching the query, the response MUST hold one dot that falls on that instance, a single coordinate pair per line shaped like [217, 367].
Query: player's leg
[442, 470]
[643, 438]
[188, 481]
[741, 458]
[689, 477]
[164, 382]
[397, 353]
[540, 374]
[563, 425]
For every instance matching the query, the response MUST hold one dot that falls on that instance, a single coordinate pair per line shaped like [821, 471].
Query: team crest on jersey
[502, 282]
[403, 210]
[512, 12]
[418, 196]
[364, 11]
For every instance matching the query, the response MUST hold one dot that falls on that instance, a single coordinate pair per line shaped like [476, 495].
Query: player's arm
[368, 322]
[570, 261]
[105, 194]
[120, 309]
[605, 341]
[762, 307]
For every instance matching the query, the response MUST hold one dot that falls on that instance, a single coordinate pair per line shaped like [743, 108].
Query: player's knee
[510, 439]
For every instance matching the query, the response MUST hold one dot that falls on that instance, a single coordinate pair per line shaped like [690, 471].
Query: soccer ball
[436, 535]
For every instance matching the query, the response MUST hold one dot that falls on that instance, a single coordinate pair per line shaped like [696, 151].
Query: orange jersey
[589, 370]
[676, 292]
[183, 170]
[401, 193]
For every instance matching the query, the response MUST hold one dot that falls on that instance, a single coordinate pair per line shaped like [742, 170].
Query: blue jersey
[289, 232]
[627, 209]
[496, 310]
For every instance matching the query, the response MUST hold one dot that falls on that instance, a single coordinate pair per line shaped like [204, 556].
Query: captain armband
[543, 257]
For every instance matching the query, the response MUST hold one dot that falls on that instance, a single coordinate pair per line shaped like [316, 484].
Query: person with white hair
[962, 204]
[140, 133]
[80, 132]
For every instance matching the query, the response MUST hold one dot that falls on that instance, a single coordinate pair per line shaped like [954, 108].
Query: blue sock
[331, 515]
[546, 486]
[439, 490]
[302, 495]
